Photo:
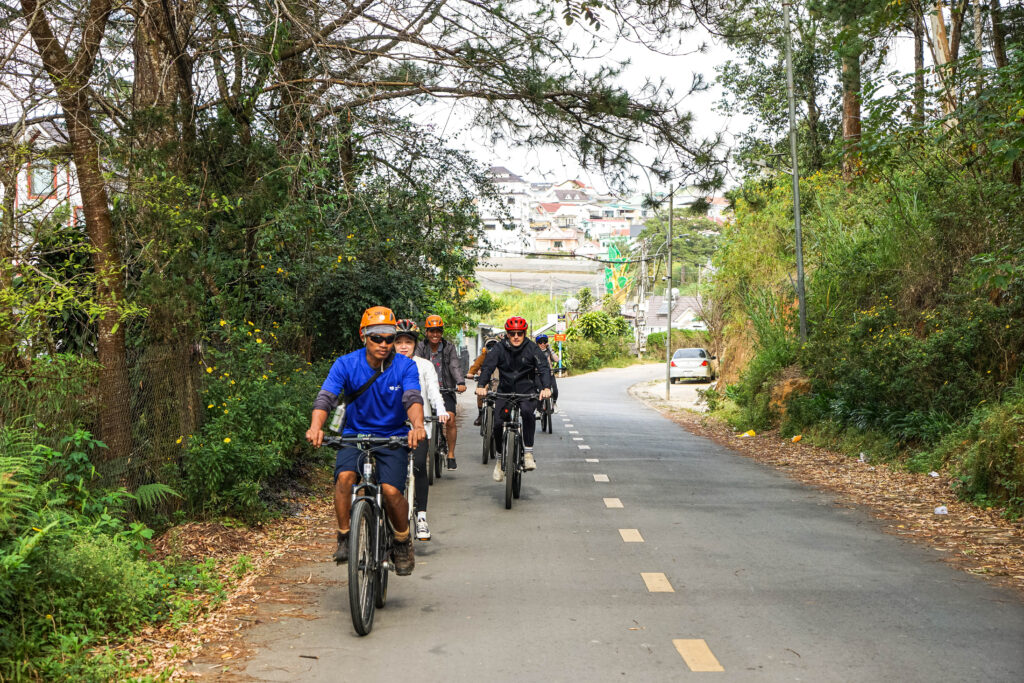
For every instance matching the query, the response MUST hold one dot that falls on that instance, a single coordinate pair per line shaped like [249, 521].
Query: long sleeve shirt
[434, 402]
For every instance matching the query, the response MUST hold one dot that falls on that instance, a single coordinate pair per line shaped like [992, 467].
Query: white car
[691, 364]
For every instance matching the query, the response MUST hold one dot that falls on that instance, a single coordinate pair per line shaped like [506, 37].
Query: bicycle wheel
[508, 456]
[361, 566]
[550, 412]
[545, 419]
[440, 452]
[486, 425]
[431, 447]
[380, 587]
[517, 470]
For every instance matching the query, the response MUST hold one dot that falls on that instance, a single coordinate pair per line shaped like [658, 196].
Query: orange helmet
[377, 315]
[433, 321]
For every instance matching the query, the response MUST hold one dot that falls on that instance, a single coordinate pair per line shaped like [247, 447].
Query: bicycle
[437, 450]
[547, 410]
[512, 451]
[486, 428]
[371, 537]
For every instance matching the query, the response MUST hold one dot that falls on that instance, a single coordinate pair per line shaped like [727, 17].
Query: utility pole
[796, 176]
[668, 292]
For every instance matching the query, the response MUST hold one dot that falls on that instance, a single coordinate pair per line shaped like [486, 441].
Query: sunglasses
[516, 333]
[382, 339]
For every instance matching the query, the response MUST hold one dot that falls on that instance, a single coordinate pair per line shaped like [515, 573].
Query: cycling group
[513, 374]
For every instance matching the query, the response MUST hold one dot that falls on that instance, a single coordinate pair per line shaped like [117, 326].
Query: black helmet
[408, 328]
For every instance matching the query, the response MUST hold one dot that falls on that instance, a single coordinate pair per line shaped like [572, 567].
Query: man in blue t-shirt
[381, 410]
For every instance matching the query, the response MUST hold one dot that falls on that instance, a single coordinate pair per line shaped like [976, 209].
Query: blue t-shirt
[378, 410]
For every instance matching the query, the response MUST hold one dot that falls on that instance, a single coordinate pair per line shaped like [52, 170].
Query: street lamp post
[668, 291]
[796, 176]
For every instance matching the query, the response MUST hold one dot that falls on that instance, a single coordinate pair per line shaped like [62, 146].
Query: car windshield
[689, 353]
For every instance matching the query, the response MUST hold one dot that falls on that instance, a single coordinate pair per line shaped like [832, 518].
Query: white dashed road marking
[612, 503]
[583, 447]
[600, 477]
[631, 535]
[591, 460]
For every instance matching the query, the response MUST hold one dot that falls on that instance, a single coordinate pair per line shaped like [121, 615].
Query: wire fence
[58, 394]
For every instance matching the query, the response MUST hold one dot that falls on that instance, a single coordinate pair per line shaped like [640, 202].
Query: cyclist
[520, 363]
[448, 366]
[474, 369]
[552, 358]
[388, 389]
[406, 337]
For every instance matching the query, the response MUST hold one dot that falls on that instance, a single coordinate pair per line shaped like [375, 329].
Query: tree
[70, 68]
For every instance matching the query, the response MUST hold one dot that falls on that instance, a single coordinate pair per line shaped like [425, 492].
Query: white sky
[555, 164]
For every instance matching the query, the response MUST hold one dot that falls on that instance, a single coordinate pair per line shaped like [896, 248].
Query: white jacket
[433, 402]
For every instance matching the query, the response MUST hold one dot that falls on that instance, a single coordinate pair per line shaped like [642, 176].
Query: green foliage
[534, 307]
[72, 569]
[257, 404]
[598, 326]
[584, 355]
[986, 453]
[680, 339]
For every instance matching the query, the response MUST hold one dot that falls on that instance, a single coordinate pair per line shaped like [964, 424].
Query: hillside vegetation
[915, 291]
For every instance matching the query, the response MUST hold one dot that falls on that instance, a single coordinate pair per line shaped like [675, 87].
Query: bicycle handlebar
[366, 440]
[497, 394]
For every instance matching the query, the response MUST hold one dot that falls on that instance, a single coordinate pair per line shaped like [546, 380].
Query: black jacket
[520, 367]
[452, 374]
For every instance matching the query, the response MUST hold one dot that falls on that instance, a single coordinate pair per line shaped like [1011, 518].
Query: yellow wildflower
[258, 340]
[179, 440]
[227, 439]
[223, 323]
[209, 369]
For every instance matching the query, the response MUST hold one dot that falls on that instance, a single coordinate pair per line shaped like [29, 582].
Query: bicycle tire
[380, 588]
[431, 447]
[544, 419]
[440, 452]
[509, 458]
[486, 427]
[551, 414]
[517, 471]
[361, 567]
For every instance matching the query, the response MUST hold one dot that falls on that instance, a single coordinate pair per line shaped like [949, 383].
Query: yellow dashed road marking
[657, 582]
[697, 655]
[631, 535]
[612, 503]
[600, 477]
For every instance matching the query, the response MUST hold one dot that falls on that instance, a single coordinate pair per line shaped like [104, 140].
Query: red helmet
[515, 323]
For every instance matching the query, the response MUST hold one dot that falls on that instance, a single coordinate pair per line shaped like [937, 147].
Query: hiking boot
[403, 557]
[422, 530]
[498, 475]
[479, 419]
[529, 464]
[341, 554]
[452, 465]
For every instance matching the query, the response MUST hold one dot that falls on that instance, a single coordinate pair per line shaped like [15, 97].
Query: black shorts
[449, 401]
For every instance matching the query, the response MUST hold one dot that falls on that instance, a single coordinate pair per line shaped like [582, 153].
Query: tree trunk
[851, 112]
[979, 47]
[70, 79]
[918, 69]
[998, 34]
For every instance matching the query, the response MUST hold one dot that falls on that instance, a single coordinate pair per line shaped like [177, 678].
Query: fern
[150, 495]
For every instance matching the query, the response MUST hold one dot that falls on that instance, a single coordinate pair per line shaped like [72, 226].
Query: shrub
[680, 339]
[585, 355]
[257, 405]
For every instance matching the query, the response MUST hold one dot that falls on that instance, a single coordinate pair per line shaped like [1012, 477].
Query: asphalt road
[713, 566]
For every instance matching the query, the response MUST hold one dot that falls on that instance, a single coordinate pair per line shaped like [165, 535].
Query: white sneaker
[422, 530]
[498, 475]
[528, 463]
